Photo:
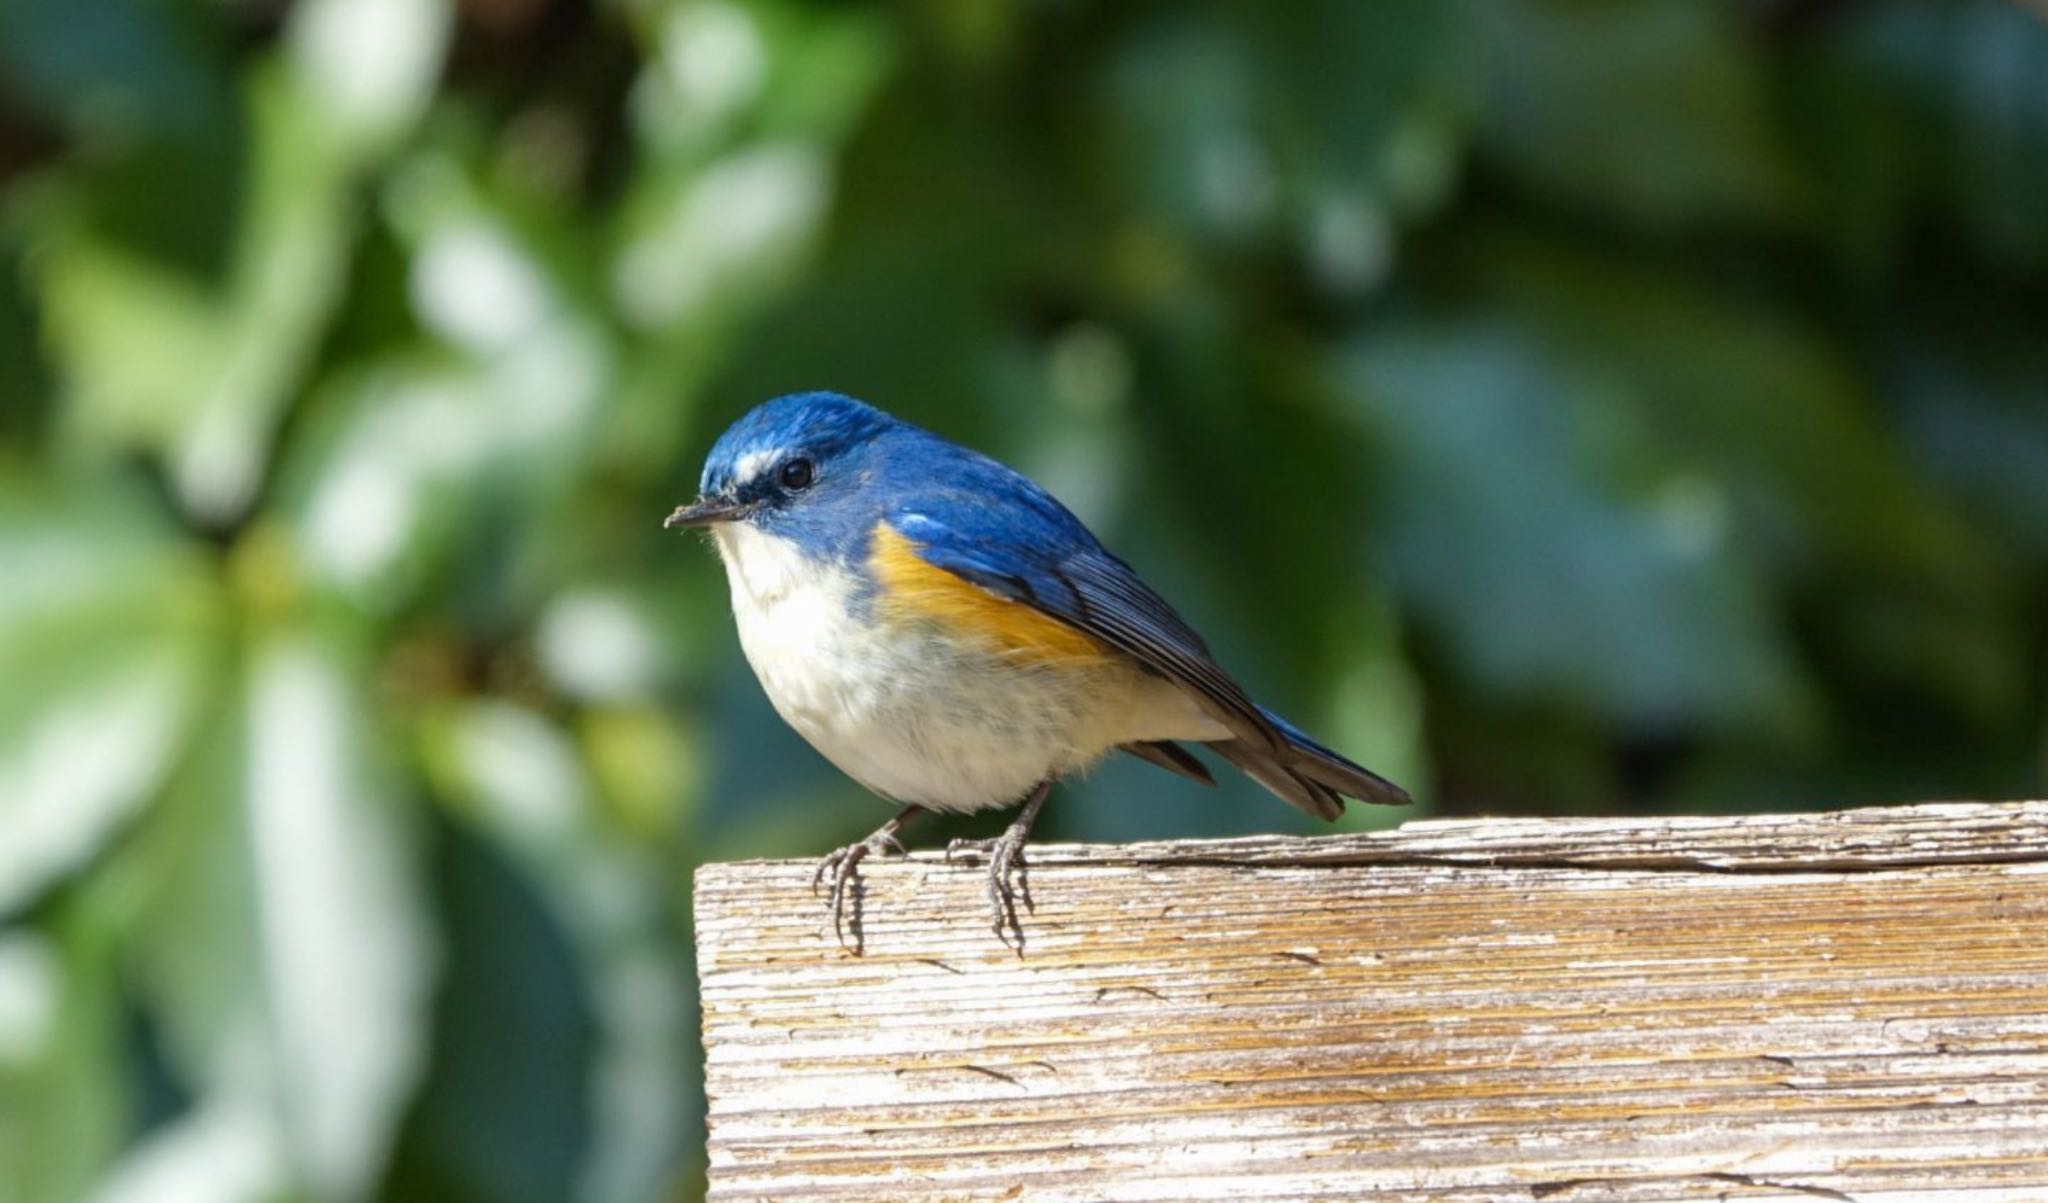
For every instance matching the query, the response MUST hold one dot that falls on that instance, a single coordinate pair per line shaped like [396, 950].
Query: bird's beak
[706, 511]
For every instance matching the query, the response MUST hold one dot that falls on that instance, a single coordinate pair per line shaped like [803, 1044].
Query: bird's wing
[1034, 553]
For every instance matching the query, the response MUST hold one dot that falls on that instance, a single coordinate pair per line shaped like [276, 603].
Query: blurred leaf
[365, 69]
[489, 1127]
[526, 786]
[417, 462]
[156, 358]
[344, 953]
[605, 644]
[290, 957]
[1366, 100]
[1964, 87]
[1977, 411]
[25, 385]
[723, 238]
[224, 1151]
[1331, 119]
[1652, 112]
[649, 774]
[143, 84]
[824, 68]
[1777, 425]
[96, 690]
[1751, 392]
[130, 69]
[1545, 585]
[423, 464]
[763, 70]
[1183, 121]
[200, 370]
[1378, 710]
[708, 65]
[61, 1111]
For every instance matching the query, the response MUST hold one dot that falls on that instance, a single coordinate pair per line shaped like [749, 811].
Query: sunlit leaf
[723, 237]
[224, 1151]
[97, 685]
[290, 958]
[366, 68]
[197, 370]
[708, 64]
[199, 367]
[424, 455]
[61, 1106]
[602, 645]
[343, 950]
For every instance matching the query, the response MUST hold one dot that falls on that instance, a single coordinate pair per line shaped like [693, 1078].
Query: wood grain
[1784, 1007]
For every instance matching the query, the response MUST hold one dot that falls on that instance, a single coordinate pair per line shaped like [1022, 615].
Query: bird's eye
[798, 474]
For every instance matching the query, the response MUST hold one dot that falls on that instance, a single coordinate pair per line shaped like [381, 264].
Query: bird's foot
[841, 868]
[1007, 880]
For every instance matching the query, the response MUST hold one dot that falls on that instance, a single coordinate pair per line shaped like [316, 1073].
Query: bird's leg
[842, 868]
[1007, 881]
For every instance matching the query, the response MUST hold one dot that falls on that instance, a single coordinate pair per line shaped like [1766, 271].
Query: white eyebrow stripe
[750, 464]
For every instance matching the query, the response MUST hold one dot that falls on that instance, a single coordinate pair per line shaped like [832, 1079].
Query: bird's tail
[1306, 773]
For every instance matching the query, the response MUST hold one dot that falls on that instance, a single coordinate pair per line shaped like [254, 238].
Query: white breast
[915, 713]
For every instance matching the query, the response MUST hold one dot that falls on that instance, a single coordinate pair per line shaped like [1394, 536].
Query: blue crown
[820, 424]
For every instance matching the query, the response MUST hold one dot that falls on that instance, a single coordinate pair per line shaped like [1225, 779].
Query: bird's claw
[1008, 881]
[842, 868]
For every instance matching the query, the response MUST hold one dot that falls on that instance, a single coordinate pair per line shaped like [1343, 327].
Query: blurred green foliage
[1571, 405]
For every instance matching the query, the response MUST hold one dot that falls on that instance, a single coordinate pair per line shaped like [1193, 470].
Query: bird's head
[786, 463]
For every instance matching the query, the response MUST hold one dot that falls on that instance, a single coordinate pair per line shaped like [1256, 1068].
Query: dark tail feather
[1267, 768]
[1173, 758]
[1308, 774]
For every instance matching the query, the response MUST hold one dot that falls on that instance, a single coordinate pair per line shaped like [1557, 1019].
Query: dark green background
[1561, 405]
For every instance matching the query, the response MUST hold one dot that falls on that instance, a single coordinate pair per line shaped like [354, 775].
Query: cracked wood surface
[1783, 1007]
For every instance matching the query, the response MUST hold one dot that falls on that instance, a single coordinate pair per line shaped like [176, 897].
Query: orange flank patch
[913, 589]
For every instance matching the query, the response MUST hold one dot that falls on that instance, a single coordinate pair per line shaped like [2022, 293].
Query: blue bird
[951, 637]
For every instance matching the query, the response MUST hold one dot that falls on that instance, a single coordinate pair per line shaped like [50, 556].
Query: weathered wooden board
[1789, 1007]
